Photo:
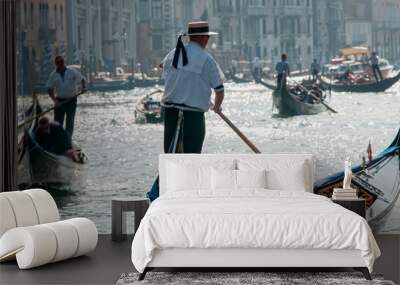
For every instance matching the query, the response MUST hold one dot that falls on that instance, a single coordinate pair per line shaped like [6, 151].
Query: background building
[358, 25]
[42, 33]
[156, 31]
[101, 35]
[386, 28]
[329, 29]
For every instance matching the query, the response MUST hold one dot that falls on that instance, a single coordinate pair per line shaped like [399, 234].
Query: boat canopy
[353, 51]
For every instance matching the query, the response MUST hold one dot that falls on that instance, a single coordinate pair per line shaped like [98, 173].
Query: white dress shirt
[66, 86]
[191, 85]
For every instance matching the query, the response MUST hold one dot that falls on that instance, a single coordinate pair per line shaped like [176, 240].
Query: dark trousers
[193, 130]
[375, 70]
[314, 75]
[280, 82]
[66, 110]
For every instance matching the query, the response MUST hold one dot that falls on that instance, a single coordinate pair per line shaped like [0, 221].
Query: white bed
[247, 210]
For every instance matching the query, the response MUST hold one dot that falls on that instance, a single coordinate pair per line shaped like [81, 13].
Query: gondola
[378, 183]
[24, 175]
[111, 85]
[289, 104]
[47, 169]
[148, 109]
[380, 86]
[242, 79]
[147, 82]
[267, 83]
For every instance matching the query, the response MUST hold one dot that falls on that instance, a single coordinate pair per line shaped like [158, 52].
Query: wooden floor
[103, 266]
[110, 259]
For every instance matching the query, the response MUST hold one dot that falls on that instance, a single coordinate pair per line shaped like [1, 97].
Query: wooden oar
[318, 99]
[48, 110]
[239, 133]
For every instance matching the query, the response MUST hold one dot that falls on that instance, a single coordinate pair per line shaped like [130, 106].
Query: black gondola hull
[376, 87]
[288, 105]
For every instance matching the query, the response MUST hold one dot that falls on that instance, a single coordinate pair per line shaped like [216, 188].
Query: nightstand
[118, 215]
[355, 205]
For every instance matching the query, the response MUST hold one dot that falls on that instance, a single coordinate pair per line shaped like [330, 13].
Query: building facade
[156, 32]
[358, 24]
[329, 29]
[101, 34]
[386, 28]
[42, 34]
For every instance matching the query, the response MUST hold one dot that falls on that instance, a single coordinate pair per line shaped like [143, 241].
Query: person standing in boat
[65, 82]
[375, 66]
[283, 70]
[190, 74]
[315, 69]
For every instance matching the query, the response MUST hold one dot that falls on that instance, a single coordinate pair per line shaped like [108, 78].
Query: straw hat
[199, 28]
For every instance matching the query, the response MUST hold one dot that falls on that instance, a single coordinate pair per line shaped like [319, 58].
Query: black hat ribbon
[180, 48]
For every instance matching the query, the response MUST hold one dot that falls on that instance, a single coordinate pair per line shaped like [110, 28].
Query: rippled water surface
[123, 155]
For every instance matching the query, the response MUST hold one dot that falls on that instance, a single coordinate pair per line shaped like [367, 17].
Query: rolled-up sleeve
[214, 74]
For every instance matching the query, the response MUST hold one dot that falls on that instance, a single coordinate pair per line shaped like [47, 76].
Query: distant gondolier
[375, 66]
[65, 82]
[315, 69]
[190, 74]
[282, 68]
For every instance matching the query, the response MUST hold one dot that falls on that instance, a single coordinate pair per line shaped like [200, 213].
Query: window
[25, 15]
[55, 17]
[156, 9]
[275, 27]
[156, 42]
[32, 13]
[264, 26]
[62, 17]
[309, 49]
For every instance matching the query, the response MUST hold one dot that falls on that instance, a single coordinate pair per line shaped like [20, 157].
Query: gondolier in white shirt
[190, 74]
[375, 66]
[62, 85]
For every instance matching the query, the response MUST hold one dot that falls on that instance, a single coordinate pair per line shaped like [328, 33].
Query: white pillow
[183, 177]
[286, 174]
[183, 174]
[223, 179]
[251, 179]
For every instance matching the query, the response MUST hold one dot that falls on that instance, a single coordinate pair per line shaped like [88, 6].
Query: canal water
[122, 155]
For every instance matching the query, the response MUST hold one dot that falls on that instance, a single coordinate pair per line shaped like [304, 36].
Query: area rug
[244, 278]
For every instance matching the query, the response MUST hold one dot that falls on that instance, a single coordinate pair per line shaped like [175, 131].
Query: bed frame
[245, 259]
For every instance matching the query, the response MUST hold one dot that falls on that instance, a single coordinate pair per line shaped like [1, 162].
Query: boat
[373, 86]
[240, 78]
[46, 169]
[26, 123]
[110, 85]
[378, 182]
[241, 71]
[148, 109]
[290, 103]
[265, 82]
[147, 82]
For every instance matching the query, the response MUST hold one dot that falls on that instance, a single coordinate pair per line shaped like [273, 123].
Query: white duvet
[250, 219]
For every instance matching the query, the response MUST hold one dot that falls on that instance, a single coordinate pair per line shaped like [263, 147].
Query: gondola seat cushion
[31, 232]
